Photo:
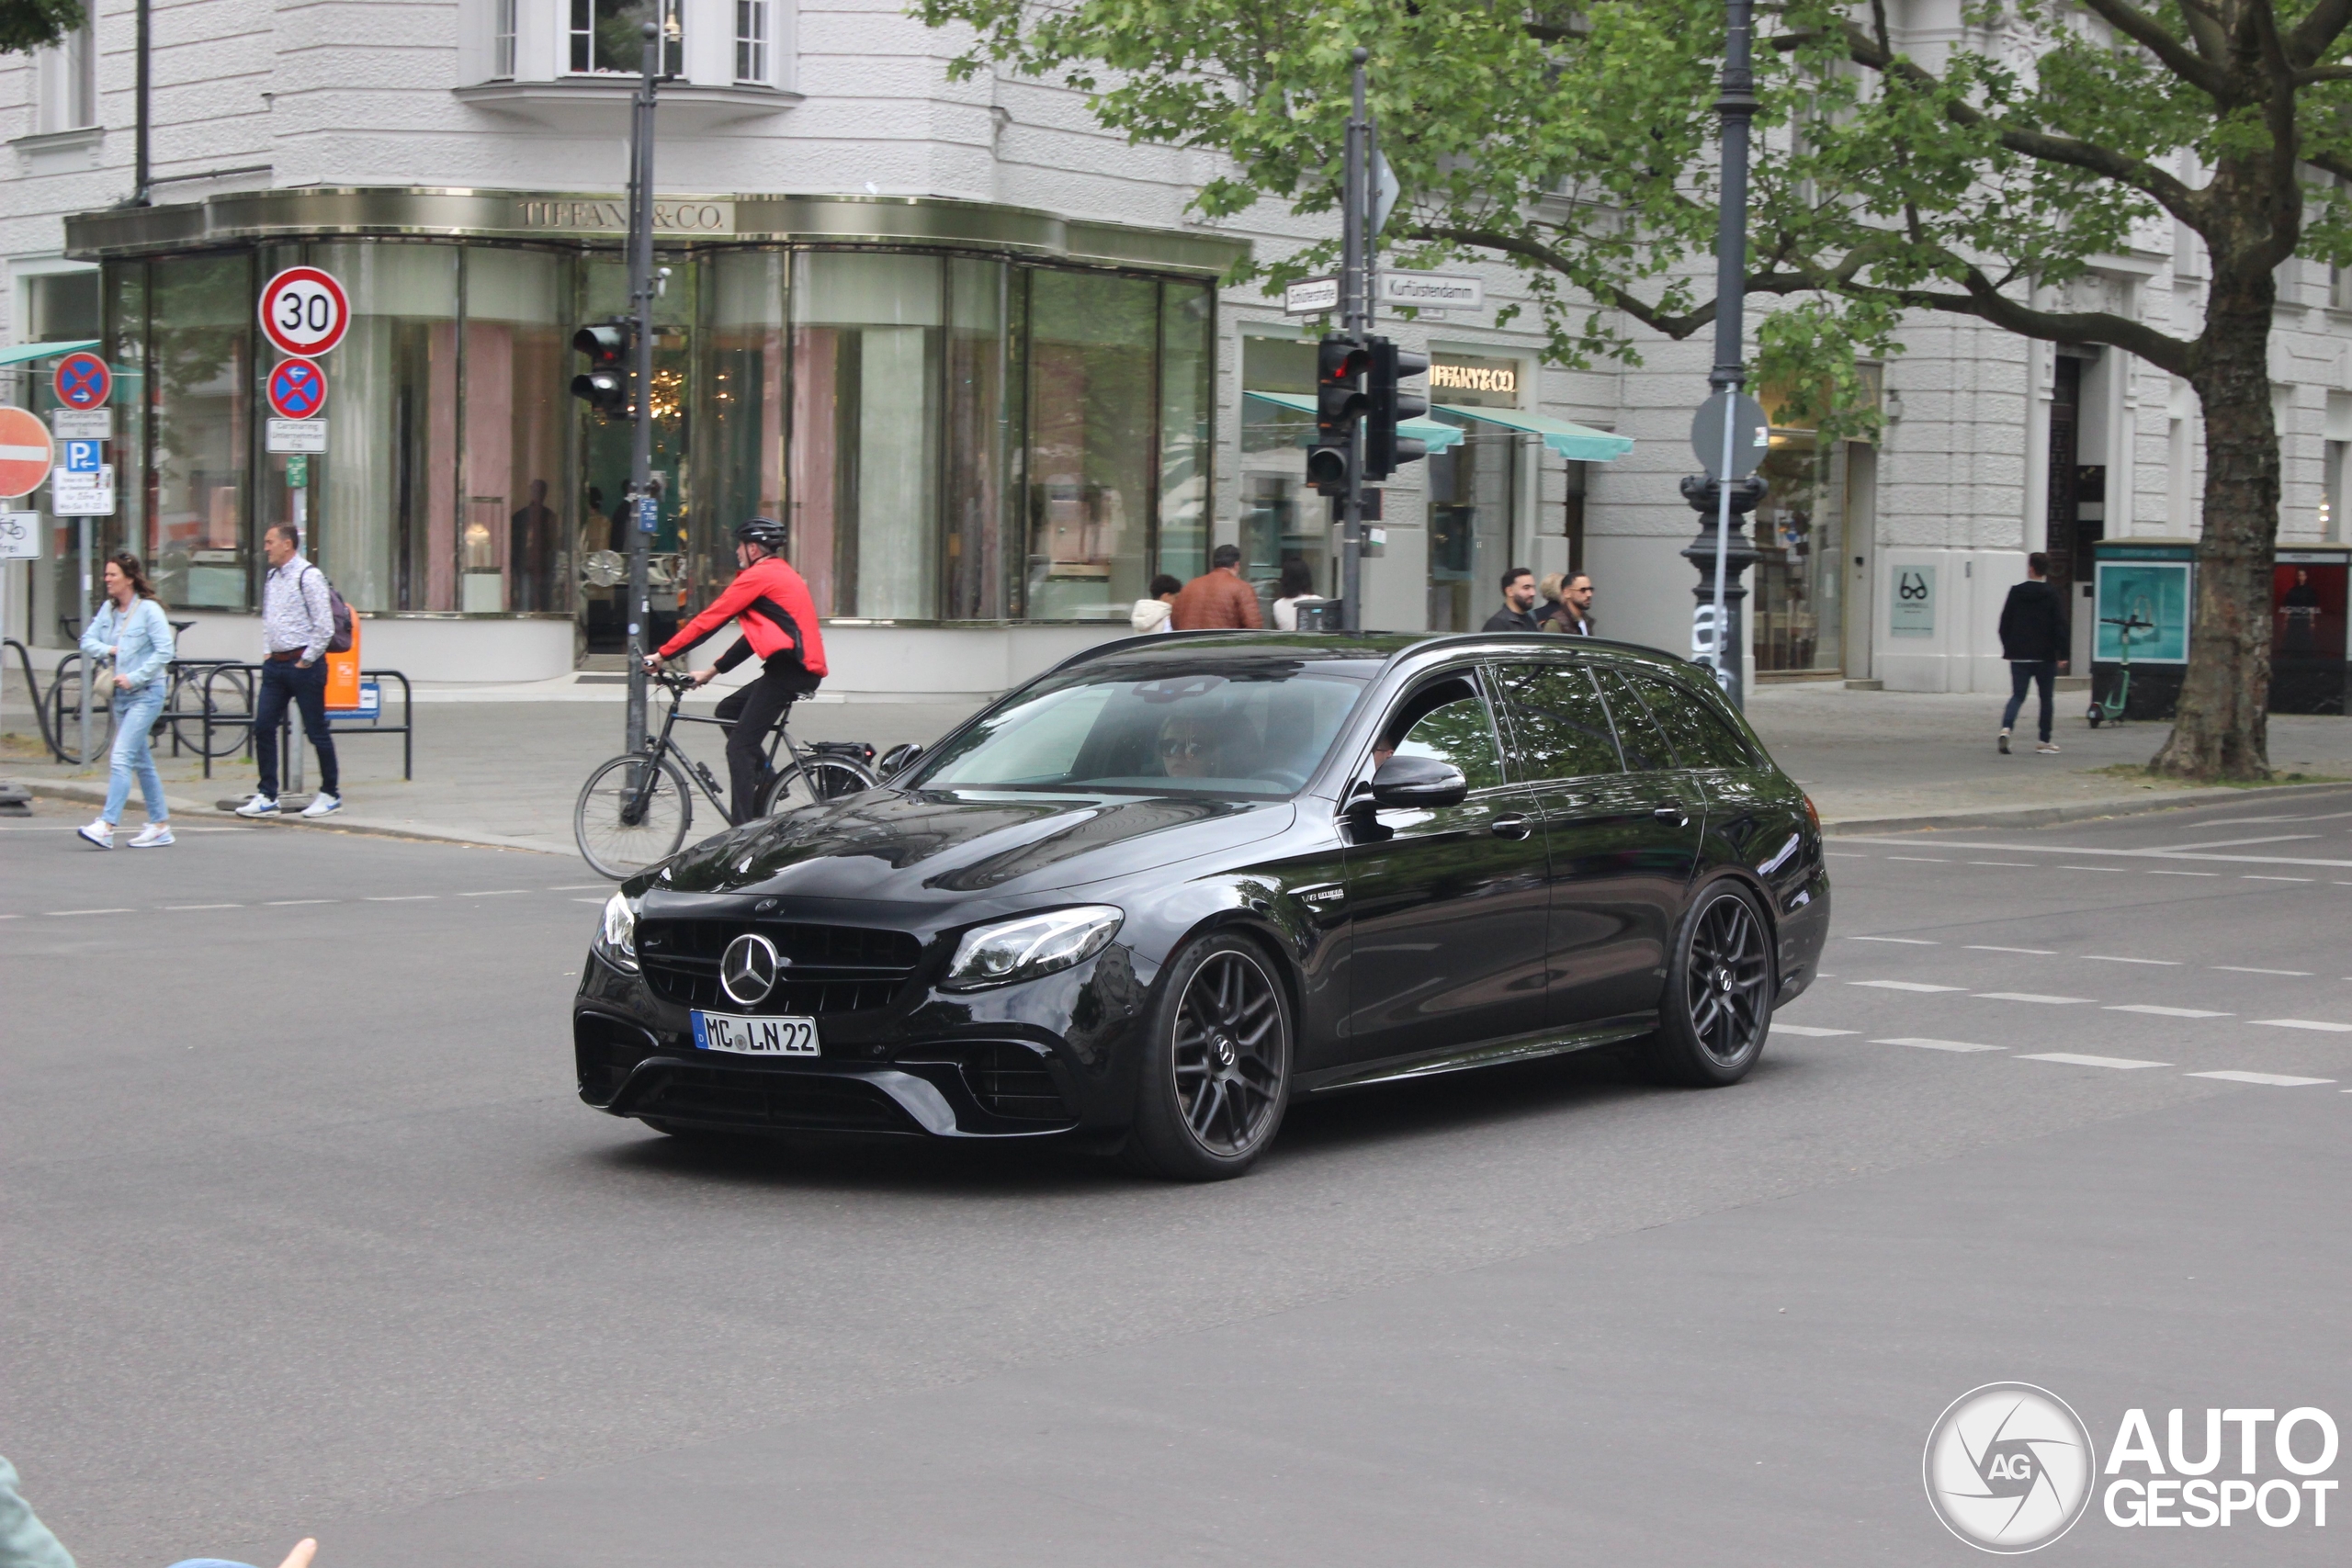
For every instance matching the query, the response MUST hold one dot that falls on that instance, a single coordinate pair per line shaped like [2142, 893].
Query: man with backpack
[297, 624]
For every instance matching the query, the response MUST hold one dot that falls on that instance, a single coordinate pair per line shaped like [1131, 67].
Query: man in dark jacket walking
[2034, 638]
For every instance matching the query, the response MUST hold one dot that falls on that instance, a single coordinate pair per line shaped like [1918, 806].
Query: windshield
[1253, 732]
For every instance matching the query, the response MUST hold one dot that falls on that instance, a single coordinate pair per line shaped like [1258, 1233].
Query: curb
[2087, 811]
[92, 794]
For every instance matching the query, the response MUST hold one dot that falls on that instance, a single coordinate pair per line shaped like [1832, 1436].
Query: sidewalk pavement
[494, 769]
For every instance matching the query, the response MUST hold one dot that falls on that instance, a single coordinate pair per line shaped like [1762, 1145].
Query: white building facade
[970, 348]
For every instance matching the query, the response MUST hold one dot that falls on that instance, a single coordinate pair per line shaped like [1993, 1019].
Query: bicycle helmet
[764, 532]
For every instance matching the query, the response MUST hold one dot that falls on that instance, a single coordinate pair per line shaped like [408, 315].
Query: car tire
[1216, 1067]
[1719, 987]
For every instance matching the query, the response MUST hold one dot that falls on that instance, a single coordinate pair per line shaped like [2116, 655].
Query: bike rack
[405, 730]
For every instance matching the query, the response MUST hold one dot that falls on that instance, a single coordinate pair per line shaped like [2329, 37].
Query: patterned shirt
[294, 609]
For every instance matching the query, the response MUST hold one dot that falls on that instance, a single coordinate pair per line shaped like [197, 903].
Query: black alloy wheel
[1719, 990]
[1216, 1081]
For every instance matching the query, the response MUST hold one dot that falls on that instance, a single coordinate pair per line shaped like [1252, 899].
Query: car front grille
[753, 1098]
[828, 969]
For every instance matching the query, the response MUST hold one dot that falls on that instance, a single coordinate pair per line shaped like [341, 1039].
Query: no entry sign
[25, 452]
[82, 381]
[298, 389]
[304, 311]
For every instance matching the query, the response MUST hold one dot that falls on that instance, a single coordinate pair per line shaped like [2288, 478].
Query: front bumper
[1041, 1058]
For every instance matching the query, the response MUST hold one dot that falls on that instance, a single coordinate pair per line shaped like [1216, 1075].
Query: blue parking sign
[84, 457]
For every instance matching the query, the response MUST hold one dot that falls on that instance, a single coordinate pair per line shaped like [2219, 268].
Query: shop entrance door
[605, 523]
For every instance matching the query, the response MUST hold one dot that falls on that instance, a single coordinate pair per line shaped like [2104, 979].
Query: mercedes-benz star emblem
[747, 971]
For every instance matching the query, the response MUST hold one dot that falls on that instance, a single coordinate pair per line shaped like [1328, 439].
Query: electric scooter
[2110, 710]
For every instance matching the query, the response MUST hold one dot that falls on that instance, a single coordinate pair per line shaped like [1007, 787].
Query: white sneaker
[259, 806]
[2047, 746]
[153, 836]
[323, 805]
[101, 832]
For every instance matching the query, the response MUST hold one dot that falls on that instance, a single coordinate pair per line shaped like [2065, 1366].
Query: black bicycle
[635, 809]
[221, 688]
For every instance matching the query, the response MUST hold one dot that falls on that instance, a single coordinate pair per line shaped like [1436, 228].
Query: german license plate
[755, 1036]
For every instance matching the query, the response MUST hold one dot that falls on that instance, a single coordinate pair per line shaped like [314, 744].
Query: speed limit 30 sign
[304, 311]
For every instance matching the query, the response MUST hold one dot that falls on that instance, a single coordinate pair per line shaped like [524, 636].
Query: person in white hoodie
[1152, 614]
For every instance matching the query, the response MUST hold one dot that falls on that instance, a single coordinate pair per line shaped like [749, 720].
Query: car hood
[912, 845]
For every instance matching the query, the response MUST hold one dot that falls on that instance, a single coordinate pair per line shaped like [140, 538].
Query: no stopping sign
[304, 311]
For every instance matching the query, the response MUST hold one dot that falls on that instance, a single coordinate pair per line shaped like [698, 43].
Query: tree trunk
[2222, 730]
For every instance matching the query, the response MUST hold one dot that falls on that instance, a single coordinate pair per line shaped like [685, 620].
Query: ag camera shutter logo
[2010, 1467]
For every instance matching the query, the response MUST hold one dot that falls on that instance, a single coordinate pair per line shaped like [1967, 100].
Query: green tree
[1984, 179]
[28, 25]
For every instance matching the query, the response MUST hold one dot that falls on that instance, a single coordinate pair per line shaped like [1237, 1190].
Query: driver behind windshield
[1190, 748]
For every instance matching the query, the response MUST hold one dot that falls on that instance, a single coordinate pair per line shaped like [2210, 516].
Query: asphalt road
[302, 1231]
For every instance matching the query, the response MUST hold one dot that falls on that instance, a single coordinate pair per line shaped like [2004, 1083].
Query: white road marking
[2094, 868]
[177, 907]
[2183, 873]
[2251, 878]
[2153, 1010]
[2037, 952]
[493, 893]
[581, 887]
[2319, 1024]
[2027, 996]
[1808, 1030]
[590, 900]
[399, 897]
[1923, 860]
[2279, 1079]
[2073, 1060]
[1926, 1045]
[2113, 958]
[2026, 864]
[2158, 854]
[1904, 986]
[2241, 843]
[2241, 969]
[89, 911]
[1843, 854]
[283, 903]
[1907, 941]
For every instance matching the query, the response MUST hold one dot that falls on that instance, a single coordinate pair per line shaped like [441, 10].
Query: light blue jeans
[134, 717]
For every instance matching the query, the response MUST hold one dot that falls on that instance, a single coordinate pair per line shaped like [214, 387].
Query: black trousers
[284, 681]
[2023, 675]
[753, 710]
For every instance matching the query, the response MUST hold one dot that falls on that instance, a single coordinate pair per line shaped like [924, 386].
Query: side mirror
[898, 758]
[1418, 782]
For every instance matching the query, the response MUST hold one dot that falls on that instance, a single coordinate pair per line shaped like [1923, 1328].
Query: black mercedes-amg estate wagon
[1153, 895]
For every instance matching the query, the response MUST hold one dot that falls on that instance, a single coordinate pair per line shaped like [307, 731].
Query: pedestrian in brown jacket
[1217, 598]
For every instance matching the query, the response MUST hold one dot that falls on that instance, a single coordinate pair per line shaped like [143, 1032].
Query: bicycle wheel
[812, 782]
[625, 822]
[224, 690]
[66, 712]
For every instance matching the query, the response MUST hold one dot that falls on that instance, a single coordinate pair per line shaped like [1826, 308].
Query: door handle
[1512, 826]
[1671, 811]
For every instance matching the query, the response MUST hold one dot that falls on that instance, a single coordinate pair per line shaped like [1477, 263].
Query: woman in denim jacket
[131, 631]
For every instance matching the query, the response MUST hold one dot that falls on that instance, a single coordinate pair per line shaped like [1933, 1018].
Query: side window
[1559, 730]
[1448, 721]
[1646, 749]
[1700, 737]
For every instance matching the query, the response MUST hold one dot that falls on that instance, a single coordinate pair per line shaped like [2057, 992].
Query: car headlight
[1031, 945]
[617, 935]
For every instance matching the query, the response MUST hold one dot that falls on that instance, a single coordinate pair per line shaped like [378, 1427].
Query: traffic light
[603, 386]
[1385, 451]
[1339, 364]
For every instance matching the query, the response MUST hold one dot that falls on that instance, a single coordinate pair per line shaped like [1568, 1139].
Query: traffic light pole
[640, 451]
[1355, 299]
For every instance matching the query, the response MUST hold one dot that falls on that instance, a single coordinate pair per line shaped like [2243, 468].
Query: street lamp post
[1723, 494]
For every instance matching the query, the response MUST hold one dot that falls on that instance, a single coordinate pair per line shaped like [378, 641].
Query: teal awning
[1577, 443]
[24, 352]
[1433, 433]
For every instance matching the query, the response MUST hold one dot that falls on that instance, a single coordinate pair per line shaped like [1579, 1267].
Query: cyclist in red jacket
[779, 623]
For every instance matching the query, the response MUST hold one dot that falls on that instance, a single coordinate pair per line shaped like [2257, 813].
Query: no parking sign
[83, 380]
[298, 389]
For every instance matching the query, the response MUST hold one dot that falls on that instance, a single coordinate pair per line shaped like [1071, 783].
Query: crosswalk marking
[2280, 1080]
